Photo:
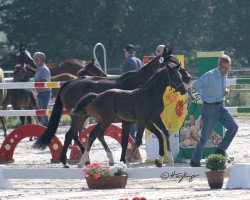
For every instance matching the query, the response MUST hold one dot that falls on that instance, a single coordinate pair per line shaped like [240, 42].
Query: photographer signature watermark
[180, 176]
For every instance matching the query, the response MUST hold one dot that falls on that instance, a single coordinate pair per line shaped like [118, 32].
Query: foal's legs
[151, 127]
[92, 137]
[29, 120]
[107, 149]
[125, 135]
[158, 122]
[138, 141]
[76, 123]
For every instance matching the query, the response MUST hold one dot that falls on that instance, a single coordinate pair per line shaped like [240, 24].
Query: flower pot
[215, 179]
[108, 182]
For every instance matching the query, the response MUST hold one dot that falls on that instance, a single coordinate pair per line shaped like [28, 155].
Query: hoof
[171, 163]
[127, 163]
[157, 163]
[80, 165]
[88, 162]
[65, 166]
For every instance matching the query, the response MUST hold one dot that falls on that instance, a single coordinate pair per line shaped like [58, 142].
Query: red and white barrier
[39, 112]
[25, 85]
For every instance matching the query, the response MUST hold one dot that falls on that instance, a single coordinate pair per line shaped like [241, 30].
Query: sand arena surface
[26, 157]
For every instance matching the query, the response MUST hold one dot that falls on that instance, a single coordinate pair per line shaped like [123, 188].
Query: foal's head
[173, 65]
[91, 70]
[23, 57]
[167, 55]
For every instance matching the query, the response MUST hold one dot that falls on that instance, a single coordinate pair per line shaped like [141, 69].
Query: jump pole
[167, 173]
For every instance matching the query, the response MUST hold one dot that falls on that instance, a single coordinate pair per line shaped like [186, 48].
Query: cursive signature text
[180, 176]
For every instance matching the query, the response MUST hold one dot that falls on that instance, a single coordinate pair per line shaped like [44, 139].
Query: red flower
[94, 166]
[97, 176]
[88, 173]
[107, 170]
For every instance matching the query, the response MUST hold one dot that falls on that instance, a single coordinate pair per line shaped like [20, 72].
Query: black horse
[143, 106]
[71, 92]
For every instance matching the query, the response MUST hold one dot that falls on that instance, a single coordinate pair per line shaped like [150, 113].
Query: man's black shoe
[193, 164]
[220, 151]
[223, 153]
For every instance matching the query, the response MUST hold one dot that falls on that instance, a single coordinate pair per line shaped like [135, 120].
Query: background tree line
[70, 29]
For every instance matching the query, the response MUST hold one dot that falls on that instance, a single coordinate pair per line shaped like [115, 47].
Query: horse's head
[23, 73]
[91, 70]
[186, 76]
[167, 55]
[173, 65]
[23, 57]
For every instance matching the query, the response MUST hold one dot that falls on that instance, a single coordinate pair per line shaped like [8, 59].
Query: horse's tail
[49, 133]
[84, 101]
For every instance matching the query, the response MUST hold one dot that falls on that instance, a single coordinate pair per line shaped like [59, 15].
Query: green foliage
[216, 162]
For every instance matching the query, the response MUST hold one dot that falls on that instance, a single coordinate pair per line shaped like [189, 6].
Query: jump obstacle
[11, 141]
[8, 147]
[165, 173]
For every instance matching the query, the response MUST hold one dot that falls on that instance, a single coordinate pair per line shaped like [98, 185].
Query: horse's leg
[138, 141]
[158, 122]
[72, 133]
[107, 149]
[4, 127]
[22, 119]
[67, 141]
[29, 120]
[125, 135]
[92, 137]
[152, 128]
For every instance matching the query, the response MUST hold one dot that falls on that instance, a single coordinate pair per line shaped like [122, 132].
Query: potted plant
[217, 164]
[98, 177]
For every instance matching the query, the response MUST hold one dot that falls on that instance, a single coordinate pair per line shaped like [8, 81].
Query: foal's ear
[165, 51]
[21, 46]
[170, 52]
[26, 47]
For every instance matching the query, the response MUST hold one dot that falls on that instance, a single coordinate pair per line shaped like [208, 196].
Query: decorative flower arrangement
[98, 171]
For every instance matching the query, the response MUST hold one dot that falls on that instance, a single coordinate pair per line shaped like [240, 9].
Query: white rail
[104, 56]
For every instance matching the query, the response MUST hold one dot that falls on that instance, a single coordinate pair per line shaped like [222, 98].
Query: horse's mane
[131, 73]
[152, 78]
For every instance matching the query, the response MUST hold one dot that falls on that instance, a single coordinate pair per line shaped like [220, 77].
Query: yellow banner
[175, 108]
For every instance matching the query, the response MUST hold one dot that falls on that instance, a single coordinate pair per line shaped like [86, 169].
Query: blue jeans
[210, 114]
[133, 128]
[43, 102]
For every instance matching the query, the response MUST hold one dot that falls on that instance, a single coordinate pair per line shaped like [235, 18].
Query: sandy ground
[26, 157]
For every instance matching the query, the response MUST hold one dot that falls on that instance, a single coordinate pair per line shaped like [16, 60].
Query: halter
[93, 74]
[26, 68]
[171, 82]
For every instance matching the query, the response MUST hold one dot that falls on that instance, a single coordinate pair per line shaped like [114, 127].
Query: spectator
[42, 75]
[131, 63]
[159, 49]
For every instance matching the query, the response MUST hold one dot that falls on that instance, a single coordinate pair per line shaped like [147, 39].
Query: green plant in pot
[217, 164]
